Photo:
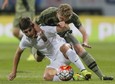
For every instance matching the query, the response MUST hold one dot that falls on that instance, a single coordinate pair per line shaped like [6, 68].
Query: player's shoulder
[51, 8]
[75, 15]
[24, 38]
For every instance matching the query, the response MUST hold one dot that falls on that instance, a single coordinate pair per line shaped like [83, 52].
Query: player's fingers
[11, 77]
[87, 46]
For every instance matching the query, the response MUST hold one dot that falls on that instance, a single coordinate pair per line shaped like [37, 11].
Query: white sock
[56, 78]
[74, 58]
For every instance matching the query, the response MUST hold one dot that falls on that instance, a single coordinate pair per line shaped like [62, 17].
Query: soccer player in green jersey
[52, 15]
[22, 8]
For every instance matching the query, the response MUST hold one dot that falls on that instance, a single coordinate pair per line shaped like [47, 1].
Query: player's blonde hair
[65, 10]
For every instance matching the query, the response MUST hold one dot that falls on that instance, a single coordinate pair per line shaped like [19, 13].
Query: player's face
[62, 18]
[30, 32]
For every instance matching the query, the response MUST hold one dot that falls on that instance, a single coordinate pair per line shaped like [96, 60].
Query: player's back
[48, 17]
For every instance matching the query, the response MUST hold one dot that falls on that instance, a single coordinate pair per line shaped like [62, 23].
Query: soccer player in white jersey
[48, 43]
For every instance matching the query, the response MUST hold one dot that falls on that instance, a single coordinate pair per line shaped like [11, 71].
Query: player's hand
[86, 45]
[61, 24]
[11, 76]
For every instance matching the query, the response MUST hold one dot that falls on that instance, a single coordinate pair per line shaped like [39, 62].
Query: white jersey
[49, 48]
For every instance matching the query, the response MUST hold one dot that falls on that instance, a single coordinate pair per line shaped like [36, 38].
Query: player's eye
[25, 31]
[30, 29]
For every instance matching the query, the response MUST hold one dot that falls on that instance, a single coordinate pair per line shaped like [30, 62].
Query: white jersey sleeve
[24, 43]
[50, 29]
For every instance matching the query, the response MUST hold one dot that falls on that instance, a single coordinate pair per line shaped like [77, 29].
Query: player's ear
[32, 24]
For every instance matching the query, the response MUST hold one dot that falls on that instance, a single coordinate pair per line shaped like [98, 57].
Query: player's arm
[16, 60]
[78, 24]
[5, 4]
[85, 37]
[62, 26]
[38, 56]
[36, 27]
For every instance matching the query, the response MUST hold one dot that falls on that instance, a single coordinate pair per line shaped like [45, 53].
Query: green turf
[31, 72]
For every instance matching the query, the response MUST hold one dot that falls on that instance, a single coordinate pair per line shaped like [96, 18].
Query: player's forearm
[84, 34]
[40, 56]
[12, 75]
[85, 38]
[16, 59]
[15, 63]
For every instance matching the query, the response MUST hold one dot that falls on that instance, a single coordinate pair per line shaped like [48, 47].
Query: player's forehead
[28, 29]
[64, 18]
[64, 15]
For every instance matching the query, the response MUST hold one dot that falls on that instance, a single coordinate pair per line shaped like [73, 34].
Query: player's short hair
[25, 23]
[65, 10]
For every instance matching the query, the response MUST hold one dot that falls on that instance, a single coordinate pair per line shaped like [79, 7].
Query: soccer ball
[65, 73]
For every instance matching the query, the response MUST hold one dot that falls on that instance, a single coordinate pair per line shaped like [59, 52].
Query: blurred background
[89, 7]
[98, 17]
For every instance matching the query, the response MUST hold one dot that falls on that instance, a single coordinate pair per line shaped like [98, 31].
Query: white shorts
[58, 61]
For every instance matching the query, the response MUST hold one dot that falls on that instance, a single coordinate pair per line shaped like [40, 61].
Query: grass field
[30, 72]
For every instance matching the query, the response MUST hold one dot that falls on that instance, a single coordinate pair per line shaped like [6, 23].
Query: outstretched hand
[11, 76]
[86, 45]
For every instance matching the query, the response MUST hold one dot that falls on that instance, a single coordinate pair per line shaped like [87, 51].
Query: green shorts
[71, 39]
[67, 35]
[19, 15]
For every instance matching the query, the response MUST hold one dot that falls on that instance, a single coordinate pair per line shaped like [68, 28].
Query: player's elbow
[39, 60]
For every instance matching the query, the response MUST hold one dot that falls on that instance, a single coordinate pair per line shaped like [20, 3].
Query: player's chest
[38, 43]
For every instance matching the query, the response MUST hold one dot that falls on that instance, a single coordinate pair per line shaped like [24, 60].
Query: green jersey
[49, 17]
[21, 8]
